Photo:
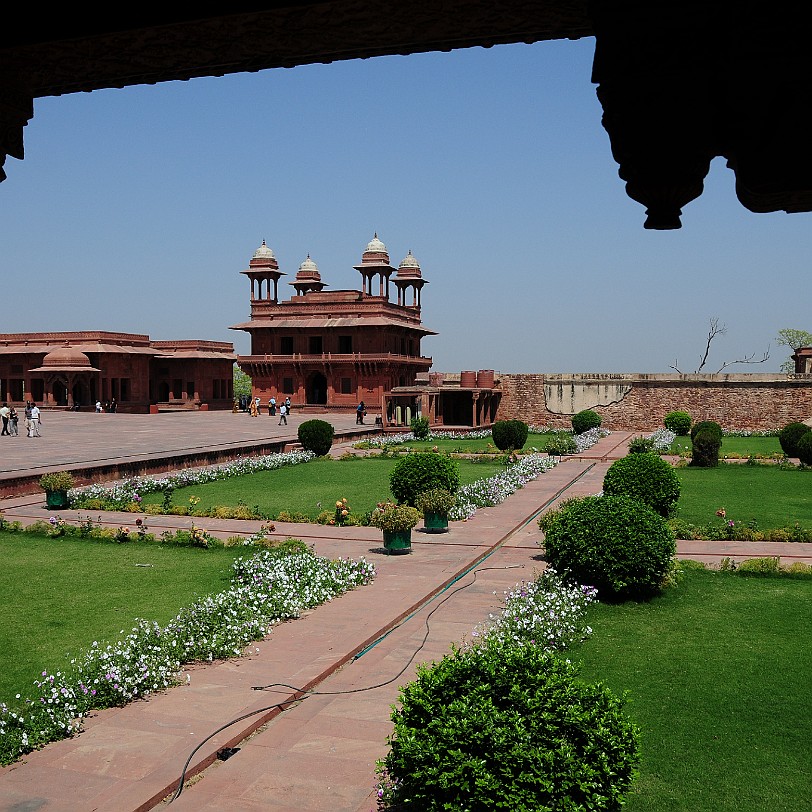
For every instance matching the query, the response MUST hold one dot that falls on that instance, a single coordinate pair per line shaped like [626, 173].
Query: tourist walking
[283, 414]
[33, 424]
[360, 412]
[13, 419]
[5, 412]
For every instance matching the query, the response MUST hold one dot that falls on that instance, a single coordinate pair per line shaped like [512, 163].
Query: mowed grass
[312, 487]
[762, 447]
[717, 672]
[58, 595]
[771, 496]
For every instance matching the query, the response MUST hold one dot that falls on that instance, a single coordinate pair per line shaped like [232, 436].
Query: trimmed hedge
[706, 425]
[804, 448]
[422, 471]
[507, 728]
[678, 422]
[509, 435]
[706, 445]
[619, 545]
[585, 420]
[647, 477]
[790, 436]
[316, 436]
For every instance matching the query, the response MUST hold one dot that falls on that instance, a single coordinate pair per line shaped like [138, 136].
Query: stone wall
[636, 402]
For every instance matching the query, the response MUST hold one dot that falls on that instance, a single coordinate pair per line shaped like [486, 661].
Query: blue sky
[136, 209]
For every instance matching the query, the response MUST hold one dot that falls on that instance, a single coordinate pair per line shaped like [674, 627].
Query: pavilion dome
[308, 271]
[376, 245]
[375, 253]
[66, 358]
[409, 266]
[263, 252]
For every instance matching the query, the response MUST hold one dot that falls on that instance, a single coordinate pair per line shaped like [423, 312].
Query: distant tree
[242, 383]
[795, 339]
[716, 329]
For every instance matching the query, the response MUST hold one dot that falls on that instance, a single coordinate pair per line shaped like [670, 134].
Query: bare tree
[716, 329]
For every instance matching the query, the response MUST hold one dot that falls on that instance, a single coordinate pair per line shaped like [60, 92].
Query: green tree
[795, 339]
[242, 382]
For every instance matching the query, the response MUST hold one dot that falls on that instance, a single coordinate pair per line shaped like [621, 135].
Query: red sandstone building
[77, 369]
[332, 349]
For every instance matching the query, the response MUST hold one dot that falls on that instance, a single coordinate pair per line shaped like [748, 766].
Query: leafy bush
[438, 501]
[804, 448]
[420, 428]
[641, 445]
[585, 420]
[790, 436]
[678, 422]
[562, 443]
[57, 481]
[706, 425]
[645, 477]
[509, 435]
[316, 436]
[507, 728]
[393, 518]
[706, 445]
[615, 543]
[416, 473]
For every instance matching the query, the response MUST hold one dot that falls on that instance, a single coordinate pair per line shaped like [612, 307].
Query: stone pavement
[298, 724]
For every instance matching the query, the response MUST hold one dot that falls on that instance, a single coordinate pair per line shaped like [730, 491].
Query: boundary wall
[639, 402]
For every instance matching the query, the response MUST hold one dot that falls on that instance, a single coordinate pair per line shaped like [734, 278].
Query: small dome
[263, 252]
[66, 358]
[308, 270]
[409, 266]
[375, 246]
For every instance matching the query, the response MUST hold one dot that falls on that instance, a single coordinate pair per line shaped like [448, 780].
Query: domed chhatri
[409, 266]
[308, 270]
[67, 358]
[263, 252]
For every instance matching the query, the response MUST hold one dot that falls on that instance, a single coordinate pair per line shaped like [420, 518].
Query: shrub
[420, 428]
[562, 443]
[509, 435]
[585, 420]
[57, 481]
[316, 436]
[760, 566]
[646, 477]
[506, 728]
[706, 445]
[416, 473]
[789, 437]
[804, 448]
[706, 425]
[394, 518]
[641, 445]
[678, 422]
[437, 500]
[615, 543]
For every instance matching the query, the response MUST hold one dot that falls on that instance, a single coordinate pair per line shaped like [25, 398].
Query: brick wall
[754, 402]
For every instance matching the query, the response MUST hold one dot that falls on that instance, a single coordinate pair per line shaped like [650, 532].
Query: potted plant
[56, 486]
[435, 505]
[396, 522]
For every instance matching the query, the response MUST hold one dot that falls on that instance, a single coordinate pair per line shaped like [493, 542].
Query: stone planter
[435, 522]
[56, 500]
[397, 541]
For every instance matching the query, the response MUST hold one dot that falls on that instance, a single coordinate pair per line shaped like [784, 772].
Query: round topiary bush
[706, 444]
[789, 437]
[585, 420]
[615, 543]
[423, 471]
[678, 422]
[646, 477]
[707, 425]
[508, 728]
[316, 436]
[509, 435]
[804, 448]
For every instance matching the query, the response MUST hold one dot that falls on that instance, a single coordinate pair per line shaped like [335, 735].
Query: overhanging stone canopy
[680, 84]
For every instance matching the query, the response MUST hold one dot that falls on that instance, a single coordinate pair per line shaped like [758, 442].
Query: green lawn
[312, 487]
[762, 447]
[484, 445]
[771, 496]
[58, 595]
[717, 672]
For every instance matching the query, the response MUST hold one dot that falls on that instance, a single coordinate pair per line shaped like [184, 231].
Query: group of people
[284, 409]
[11, 420]
[107, 406]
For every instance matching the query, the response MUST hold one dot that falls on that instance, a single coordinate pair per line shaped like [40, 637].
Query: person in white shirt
[33, 423]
